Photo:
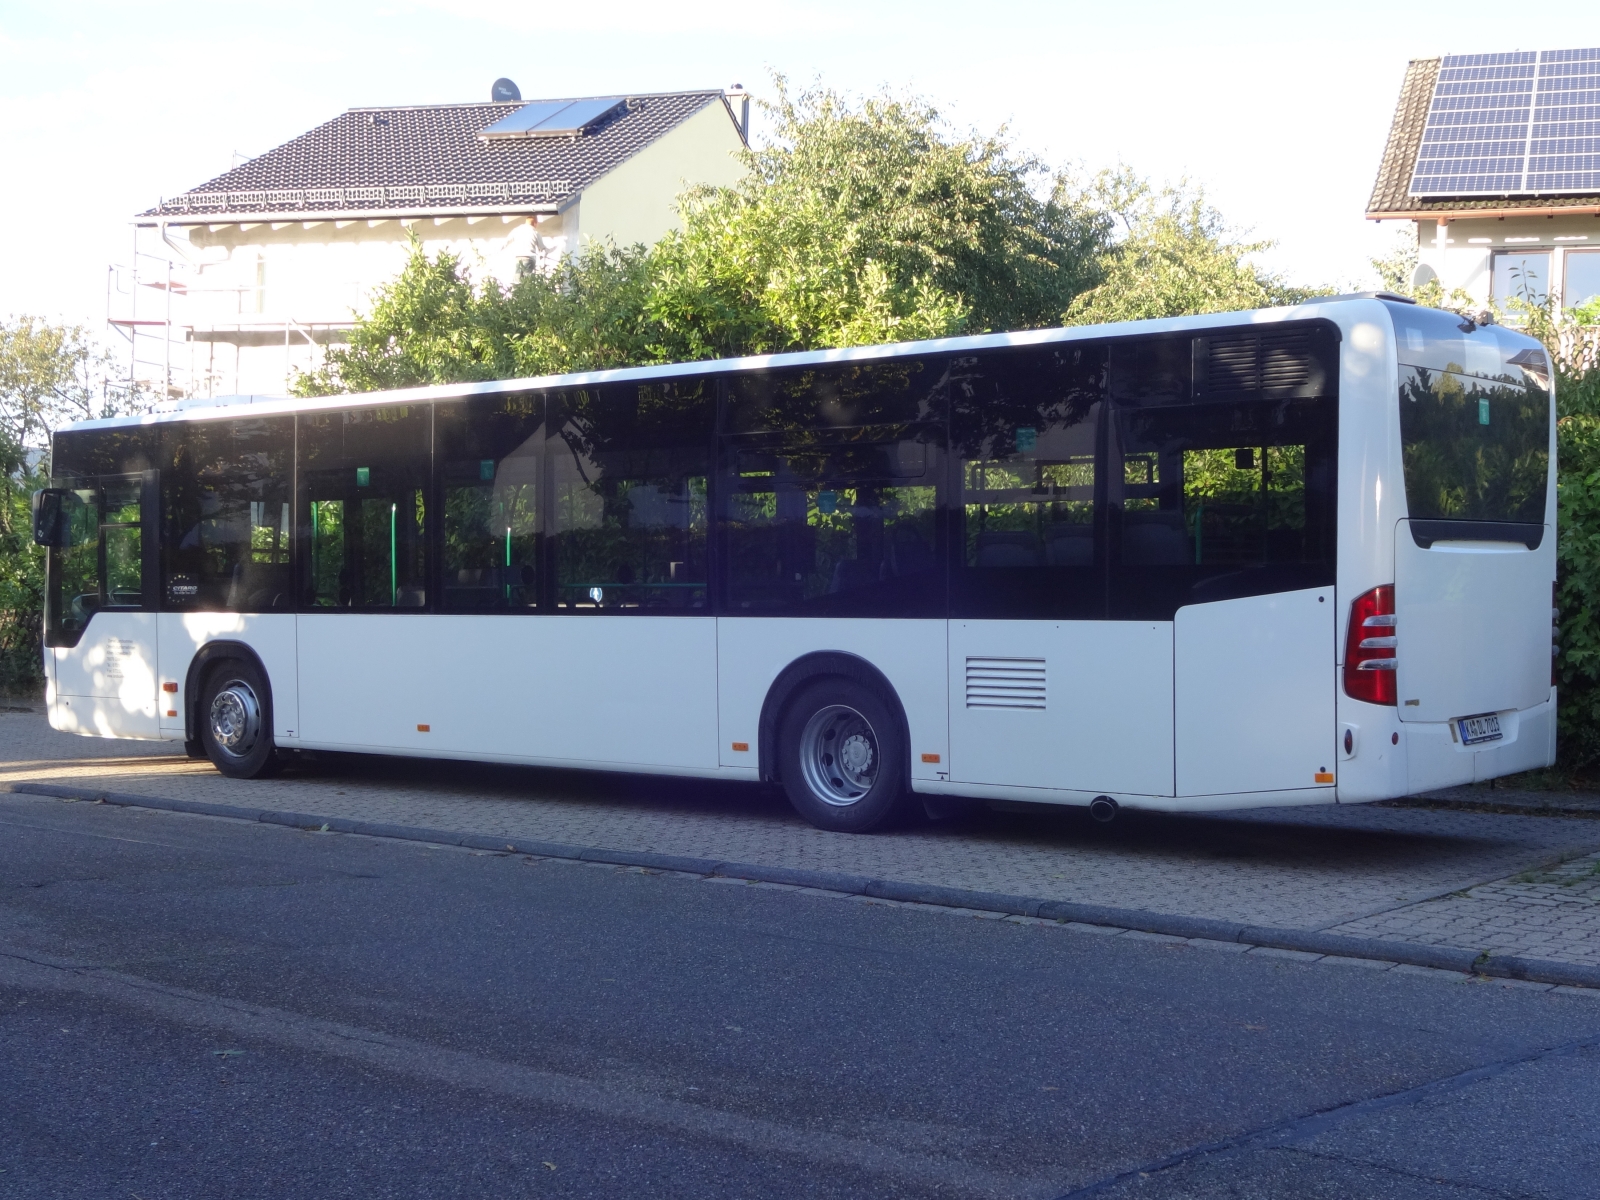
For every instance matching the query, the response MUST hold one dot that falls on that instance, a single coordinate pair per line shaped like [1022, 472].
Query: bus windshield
[1474, 423]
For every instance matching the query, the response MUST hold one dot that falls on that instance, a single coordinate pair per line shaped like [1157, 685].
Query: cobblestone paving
[1552, 913]
[1318, 868]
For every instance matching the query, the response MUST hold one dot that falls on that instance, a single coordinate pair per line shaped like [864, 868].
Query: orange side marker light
[169, 687]
[424, 728]
[1324, 776]
[930, 758]
[742, 747]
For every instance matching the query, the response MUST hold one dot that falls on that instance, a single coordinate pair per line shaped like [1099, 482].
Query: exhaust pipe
[1103, 809]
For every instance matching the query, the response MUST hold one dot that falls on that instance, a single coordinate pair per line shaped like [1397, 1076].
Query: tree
[1397, 269]
[1174, 257]
[870, 224]
[857, 224]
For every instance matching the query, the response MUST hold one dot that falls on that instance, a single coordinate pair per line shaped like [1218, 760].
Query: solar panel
[1564, 147]
[553, 118]
[524, 119]
[1517, 122]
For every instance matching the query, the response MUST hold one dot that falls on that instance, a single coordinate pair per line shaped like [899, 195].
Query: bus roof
[211, 410]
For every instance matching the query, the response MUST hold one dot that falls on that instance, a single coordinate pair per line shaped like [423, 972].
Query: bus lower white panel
[753, 651]
[1435, 759]
[1473, 627]
[106, 684]
[626, 691]
[1254, 682]
[1375, 766]
[1073, 705]
[1060, 796]
[270, 635]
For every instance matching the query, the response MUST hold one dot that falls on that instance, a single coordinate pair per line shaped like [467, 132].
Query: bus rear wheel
[236, 721]
[841, 757]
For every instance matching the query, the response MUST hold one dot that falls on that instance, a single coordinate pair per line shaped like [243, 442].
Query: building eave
[280, 217]
[1591, 208]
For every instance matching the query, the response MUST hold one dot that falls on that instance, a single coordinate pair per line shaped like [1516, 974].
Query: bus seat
[1155, 539]
[1007, 548]
[1070, 546]
[908, 553]
[851, 573]
[256, 587]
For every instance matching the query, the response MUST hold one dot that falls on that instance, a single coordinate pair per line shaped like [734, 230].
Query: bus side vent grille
[1232, 367]
[1279, 360]
[1286, 360]
[1005, 683]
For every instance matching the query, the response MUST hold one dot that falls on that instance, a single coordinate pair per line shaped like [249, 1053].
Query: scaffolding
[156, 302]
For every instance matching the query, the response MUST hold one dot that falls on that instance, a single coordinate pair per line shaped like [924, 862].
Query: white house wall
[312, 275]
[1463, 260]
[636, 202]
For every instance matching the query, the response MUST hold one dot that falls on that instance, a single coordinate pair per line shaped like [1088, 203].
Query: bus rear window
[1475, 449]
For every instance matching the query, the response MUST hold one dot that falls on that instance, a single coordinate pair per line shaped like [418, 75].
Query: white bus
[1295, 556]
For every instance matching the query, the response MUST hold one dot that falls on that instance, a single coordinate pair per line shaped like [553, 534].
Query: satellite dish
[504, 90]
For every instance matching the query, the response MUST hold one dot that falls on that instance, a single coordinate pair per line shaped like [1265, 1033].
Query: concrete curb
[1533, 970]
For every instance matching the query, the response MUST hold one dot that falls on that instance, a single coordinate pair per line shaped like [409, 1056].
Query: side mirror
[49, 517]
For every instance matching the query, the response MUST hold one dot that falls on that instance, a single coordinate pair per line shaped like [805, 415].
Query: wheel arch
[204, 659]
[819, 665]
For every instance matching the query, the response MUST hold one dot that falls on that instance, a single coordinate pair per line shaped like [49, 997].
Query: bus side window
[831, 482]
[225, 497]
[1217, 500]
[629, 465]
[363, 508]
[1025, 426]
[490, 456]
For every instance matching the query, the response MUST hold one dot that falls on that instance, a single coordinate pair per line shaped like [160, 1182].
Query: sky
[1278, 110]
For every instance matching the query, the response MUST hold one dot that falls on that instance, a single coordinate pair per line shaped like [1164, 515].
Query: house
[240, 282]
[1496, 159]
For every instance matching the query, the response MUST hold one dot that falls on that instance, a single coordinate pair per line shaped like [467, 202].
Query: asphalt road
[195, 1007]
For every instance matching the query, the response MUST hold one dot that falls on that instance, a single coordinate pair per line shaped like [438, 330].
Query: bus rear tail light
[1369, 652]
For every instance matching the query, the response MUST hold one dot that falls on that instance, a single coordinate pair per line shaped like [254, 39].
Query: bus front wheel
[841, 757]
[236, 721]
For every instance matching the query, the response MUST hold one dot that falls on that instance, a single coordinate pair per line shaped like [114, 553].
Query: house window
[1583, 278]
[1522, 275]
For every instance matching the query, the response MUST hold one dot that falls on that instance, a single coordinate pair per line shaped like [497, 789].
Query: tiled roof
[429, 158]
[1390, 194]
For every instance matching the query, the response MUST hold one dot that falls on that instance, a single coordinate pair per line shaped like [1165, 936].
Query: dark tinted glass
[362, 513]
[1216, 500]
[1151, 370]
[629, 465]
[490, 452]
[225, 500]
[86, 452]
[1475, 449]
[105, 563]
[1024, 428]
[1444, 341]
[831, 487]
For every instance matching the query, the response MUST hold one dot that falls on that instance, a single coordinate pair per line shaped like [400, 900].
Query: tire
[841, 756]
[235, 720]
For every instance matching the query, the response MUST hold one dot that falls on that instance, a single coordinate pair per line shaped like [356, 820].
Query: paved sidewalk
[1553, 914]
[1424, 875]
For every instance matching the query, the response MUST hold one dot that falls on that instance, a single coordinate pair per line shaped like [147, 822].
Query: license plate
[1479, 729]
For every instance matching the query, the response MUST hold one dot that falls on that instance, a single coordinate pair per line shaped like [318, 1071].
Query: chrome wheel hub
[839, 755]
[235, 718]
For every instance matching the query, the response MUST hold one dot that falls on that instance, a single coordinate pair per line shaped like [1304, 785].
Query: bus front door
[100, 620]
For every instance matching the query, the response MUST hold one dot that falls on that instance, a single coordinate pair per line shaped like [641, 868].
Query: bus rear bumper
[1431, 756]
